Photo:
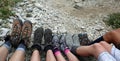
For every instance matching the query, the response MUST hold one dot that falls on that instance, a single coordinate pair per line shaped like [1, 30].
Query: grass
[5, 8]
[113, 20]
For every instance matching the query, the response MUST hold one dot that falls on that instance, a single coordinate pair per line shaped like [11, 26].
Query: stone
[29, 10]
[4, 31]
[78, 6]
[76, 1]
[0, 22]
[38, 6]
[99, 28]
[82, 27]
[28, 15]
[21, 4]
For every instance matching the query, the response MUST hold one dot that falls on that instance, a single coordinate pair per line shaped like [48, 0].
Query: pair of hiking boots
[21, 33]
[51, 41]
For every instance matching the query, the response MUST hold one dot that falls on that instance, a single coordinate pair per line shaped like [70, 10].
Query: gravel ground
[64, 16]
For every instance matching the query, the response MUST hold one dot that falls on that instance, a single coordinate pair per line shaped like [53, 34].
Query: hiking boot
[62, 42]
[48, 36]
[26, 32]
[16, 32]
[83, 38]
[69, 40]
[38, 34]
[48, 40]
[75, 40]
[55, 42]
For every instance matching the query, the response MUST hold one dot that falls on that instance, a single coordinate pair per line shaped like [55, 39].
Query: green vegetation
[5, 8]
[113, 20]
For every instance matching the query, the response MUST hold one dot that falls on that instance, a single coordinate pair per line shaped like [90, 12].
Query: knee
[103, 43]
[113, 32]
[98, 47]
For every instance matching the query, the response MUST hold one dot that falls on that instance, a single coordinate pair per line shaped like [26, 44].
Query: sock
[48, 47]
[7, 44]
[56, 51]
[37, 46]
[97, 40]
[21, 47]
[66, 50]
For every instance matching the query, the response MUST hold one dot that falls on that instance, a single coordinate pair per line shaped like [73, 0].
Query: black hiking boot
[38, 34]
[48, 40]
[48, 36]
[83, 38]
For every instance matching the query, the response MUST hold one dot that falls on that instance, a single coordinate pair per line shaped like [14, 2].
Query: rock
[21, 4]
[0, 22]
[4, 31]
[29, 10]
[78, 6]
[82, 27]
[38, 6]
[76, 1]
[99, 28]
[28, 15]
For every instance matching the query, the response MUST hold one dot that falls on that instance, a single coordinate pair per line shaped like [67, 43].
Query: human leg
[56, 49]
[110, 37]
[112, 50]
[9, 39]
[35, 56]
[96, 50]
[4, 50]
[64, 47]
[50, 56]
[36, 47]
[48, 45]
[19, 54]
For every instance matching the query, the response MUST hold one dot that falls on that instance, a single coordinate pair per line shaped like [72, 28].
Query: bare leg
[4, 50]
[107, 46]
[19, 54]
[93, 50]
[50, 56]
[59, 56]
[70, 56]
[3, 53]
[35, 56]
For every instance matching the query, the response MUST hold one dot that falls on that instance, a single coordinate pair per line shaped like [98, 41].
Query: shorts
[113, 56]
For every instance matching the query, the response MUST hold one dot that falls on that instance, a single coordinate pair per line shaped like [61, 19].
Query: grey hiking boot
[83, 38]
[62, 42]
[69, 40]
[76, 40]
[55, 42]
[38, 34]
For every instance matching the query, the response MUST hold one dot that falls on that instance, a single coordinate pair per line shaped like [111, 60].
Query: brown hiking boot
[26, 32]
[16, 32]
